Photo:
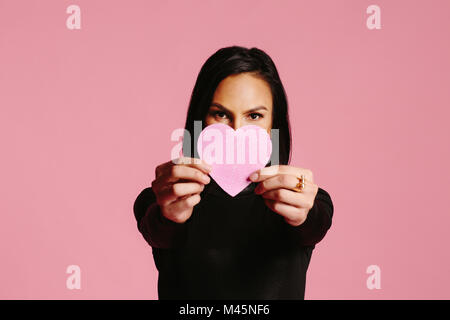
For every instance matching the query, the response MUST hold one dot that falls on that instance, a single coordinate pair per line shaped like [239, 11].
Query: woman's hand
[276, 184]
[178, 185]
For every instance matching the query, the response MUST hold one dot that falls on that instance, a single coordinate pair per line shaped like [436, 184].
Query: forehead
[243, 91]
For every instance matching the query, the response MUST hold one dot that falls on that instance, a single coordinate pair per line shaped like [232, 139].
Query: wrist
[164, 221]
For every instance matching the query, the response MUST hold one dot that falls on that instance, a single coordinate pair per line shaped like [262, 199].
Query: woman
[258, 244]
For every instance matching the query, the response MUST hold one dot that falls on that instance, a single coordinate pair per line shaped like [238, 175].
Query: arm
[158, 231]
[317, 222]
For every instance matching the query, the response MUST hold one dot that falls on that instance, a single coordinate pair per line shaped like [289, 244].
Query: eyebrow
[218, 105]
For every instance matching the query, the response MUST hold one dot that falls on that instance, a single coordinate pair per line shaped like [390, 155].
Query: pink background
[86, 115]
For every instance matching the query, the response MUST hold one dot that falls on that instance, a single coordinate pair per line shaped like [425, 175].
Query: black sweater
[231, 247]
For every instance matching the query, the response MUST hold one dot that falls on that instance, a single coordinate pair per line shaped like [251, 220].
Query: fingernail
[206, 179]
[207, 166]
[254, 176]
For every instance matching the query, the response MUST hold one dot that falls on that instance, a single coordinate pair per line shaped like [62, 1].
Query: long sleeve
[158, 231]
[318, 221]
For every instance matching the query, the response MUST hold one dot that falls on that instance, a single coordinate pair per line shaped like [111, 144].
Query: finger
[287, 211]
[292, 198]
[181, 205]
[286, 181]
[267, 172]
[186, 173]
[173, 192]
[179, 173]
[192, 162]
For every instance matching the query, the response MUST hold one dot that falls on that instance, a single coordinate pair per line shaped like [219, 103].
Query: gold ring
[301, 184]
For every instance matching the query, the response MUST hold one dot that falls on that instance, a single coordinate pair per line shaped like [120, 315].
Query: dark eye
[255, 115]
[220, 114]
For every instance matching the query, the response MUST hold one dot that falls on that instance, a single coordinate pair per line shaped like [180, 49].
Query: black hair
[234, 60]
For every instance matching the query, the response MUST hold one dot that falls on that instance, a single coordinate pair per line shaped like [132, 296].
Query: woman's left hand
[276, 187]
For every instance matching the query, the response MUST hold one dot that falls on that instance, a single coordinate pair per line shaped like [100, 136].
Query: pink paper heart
[234, 155]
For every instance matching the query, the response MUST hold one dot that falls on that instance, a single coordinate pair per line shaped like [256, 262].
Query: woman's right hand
[177, 186]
